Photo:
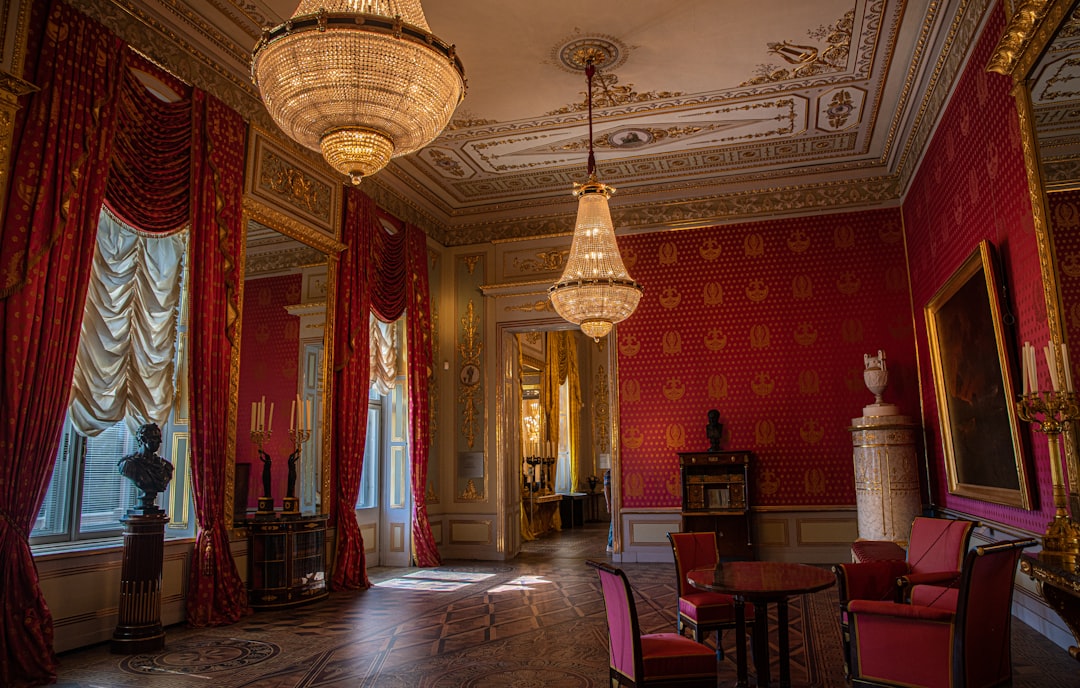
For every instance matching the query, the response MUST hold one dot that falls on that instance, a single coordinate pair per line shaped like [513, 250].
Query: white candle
[253, 404]
[1024, 366]
[270, 424]
[1035, 371]
[1053, 368]
[292, 413]
[262, 413]
[1068, 367]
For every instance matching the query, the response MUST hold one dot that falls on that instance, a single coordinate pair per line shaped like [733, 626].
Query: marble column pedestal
[886, 475]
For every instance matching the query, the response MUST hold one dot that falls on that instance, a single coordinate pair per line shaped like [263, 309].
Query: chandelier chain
[590, 69]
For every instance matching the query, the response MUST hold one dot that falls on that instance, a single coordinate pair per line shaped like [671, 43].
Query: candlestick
[1049, 412]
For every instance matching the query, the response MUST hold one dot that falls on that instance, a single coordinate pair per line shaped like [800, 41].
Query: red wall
[972, 186]
[269, 362]
[767, 322]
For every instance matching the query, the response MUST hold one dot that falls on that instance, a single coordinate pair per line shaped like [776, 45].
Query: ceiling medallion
[604, 51]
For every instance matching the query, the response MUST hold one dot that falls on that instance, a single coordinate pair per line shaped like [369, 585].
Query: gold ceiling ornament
[361, 81]
[595, 290]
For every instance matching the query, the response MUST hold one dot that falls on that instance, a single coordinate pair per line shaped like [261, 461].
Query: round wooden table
[761, 582]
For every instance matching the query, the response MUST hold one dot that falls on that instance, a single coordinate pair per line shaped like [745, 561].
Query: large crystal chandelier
[595, 290]
[361, 81]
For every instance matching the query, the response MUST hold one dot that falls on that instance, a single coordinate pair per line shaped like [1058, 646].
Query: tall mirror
[1040, 51]
[284, 368]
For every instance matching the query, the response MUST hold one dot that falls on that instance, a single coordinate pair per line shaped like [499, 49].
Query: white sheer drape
[124, 368]
[383, 355]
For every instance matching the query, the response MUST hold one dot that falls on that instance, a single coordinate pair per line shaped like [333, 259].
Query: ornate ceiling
[708, 111]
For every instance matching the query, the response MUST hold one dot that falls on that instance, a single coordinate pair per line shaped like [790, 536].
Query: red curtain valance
[388, 263]
[150, 170]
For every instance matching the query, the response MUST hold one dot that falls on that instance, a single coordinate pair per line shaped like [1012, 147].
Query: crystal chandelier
[595, 290]
[361, 81]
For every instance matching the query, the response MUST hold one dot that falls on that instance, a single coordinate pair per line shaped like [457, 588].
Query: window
[87, 496]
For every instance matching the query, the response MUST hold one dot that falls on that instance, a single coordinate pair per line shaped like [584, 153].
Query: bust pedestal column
[139, 627]
[886, 475]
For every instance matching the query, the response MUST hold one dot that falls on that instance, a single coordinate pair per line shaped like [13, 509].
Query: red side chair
[911, 645]
[927, 573]
[657, 659]
[700, 611]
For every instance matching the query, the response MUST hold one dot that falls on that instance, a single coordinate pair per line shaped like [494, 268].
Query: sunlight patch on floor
[521, 583]
[434, 580]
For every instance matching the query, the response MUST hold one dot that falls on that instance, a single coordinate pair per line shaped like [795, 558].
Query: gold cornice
[286, 225]
[651, 215]
[1027, 34]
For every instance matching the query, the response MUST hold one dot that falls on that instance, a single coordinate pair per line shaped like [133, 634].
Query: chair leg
[719, 646]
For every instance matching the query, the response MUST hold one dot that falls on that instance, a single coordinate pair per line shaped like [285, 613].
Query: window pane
[369, 479]
[52, 518]
[106, 494]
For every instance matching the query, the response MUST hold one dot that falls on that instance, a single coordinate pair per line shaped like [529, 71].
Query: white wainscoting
[805, 536]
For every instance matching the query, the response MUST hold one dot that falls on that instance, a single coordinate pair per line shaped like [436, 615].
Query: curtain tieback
[208, 552]
[4, 518]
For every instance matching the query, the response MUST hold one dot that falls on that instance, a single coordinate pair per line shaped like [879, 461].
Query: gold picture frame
[973, 372]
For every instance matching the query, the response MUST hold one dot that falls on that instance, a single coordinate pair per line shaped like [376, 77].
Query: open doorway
[557, 434]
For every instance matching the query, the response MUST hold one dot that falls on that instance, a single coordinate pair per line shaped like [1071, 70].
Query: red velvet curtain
[351, 382]
[59, 159]
[215, 593]
[399, 286]
[386, 274]
[418, 322]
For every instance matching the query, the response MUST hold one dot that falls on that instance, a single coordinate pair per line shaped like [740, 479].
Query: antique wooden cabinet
[286, 560]
[716, 497]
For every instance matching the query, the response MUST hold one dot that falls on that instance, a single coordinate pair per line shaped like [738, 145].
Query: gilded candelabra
[1050, 412]
[298, 437]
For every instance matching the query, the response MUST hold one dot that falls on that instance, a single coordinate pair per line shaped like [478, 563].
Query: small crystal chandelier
[361, 81]
[595, 290]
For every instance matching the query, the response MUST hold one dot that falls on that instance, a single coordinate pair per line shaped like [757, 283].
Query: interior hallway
[537, 620]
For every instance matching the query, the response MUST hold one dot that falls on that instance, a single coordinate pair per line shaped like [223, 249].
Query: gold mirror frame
[1030, 31]
[287, 226]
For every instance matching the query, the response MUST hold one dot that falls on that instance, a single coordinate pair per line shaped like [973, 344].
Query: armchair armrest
[897, 610]
[939, 579]
[871, 580]
[930, 577]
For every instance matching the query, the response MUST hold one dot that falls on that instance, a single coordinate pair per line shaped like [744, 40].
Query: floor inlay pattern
[537, 620]
[201, 656]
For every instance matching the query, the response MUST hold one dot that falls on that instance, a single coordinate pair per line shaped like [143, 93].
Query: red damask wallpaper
[767, 322]
[971, 186]
[269, 363]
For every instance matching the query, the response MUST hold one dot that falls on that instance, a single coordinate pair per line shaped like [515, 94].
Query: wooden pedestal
[139, 627]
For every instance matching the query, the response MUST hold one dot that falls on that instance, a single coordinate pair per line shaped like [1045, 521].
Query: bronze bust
[149, 471]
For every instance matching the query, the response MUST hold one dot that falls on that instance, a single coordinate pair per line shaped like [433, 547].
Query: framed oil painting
[973, 373]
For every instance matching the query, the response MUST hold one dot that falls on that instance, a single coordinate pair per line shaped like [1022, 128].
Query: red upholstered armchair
[912, 645]
[657, 659]
[700, 611]
[928, 575]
